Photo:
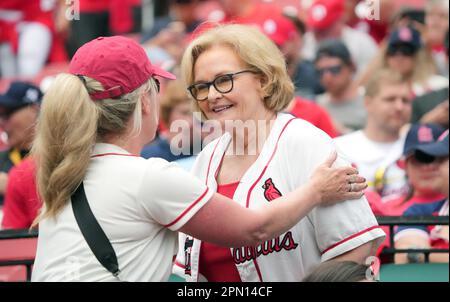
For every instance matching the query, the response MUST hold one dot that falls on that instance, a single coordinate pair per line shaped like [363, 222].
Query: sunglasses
[422, 158]
[223, 84]
[404, 50]
[334, 70]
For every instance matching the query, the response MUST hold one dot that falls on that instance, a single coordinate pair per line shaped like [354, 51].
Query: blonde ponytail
[66, 132]
[69, 125]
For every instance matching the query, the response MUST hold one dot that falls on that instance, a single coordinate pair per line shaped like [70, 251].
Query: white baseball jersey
[377, 162]
[139, 204]
[290, 154]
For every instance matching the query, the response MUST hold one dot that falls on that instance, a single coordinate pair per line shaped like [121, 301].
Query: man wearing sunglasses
[344, 101]
[432, 157]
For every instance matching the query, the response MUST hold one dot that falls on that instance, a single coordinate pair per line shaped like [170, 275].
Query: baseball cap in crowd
[323, 13]
[278, 28]
[334, 48]
[423, 138]
[405, 38]
[120, 64]
[19, 95]
[439, 148]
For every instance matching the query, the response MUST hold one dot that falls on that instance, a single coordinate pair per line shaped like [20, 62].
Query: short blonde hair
[380, 77]
[254, 49]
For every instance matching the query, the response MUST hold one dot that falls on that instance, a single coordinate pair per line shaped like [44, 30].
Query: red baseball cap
[278, 28]
[120, 64]
[323, 13]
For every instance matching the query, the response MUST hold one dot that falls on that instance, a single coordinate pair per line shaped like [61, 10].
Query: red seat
[16, 249]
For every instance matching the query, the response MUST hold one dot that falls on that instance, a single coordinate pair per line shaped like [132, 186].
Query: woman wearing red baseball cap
[103, 201]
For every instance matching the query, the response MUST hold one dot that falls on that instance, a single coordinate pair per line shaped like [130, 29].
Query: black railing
[392, 221]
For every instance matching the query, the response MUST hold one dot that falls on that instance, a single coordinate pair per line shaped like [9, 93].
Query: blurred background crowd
[371, 74]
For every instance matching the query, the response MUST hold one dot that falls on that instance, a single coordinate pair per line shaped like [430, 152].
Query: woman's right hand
[336, 184]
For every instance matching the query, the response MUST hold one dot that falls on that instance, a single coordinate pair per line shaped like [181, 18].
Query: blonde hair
[254, 49]
[69, 125]
[380, 77]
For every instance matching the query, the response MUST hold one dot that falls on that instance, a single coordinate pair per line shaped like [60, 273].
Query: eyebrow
[215, 76]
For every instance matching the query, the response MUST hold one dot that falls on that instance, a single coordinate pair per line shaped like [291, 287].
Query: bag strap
[93, 232]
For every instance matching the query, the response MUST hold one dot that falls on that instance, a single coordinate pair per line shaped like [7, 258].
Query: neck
[380, 135]
[250, 140]
[345, 94]
[132, 144]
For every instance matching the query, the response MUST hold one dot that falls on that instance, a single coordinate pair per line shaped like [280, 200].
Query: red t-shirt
[21, 199]
[397, 207]
[314, 114]
[216, 263]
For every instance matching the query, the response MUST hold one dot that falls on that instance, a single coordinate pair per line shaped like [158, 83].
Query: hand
[438, 115]
[336, 184]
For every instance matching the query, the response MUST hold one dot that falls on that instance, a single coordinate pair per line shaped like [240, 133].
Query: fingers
[349, 170]
[357, 187]
[331, 159]
[355, 179]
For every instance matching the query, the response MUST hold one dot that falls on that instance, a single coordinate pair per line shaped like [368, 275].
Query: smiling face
[244, 102]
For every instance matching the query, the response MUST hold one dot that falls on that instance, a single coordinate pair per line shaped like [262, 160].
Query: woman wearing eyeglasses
[237, 77]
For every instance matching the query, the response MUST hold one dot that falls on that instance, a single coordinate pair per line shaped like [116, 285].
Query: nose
[400, 103]
[213, 94]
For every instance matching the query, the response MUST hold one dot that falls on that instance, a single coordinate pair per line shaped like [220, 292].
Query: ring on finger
[351, 188]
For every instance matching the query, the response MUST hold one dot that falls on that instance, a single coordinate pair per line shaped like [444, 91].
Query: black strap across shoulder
[93, 232]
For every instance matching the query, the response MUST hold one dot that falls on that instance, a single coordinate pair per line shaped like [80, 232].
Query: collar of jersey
[102, 149]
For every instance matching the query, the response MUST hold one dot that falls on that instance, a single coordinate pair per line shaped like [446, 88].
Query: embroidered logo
[270, 191]
[276, 245]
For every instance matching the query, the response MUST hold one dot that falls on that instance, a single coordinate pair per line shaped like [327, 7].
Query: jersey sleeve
[170, 195]
[346, 225]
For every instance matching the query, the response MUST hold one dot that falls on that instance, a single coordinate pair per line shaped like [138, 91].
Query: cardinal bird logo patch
[270, 191]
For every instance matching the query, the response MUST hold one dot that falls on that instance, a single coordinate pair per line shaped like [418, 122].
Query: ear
[367, 101]
[263, 80]
[145, 104]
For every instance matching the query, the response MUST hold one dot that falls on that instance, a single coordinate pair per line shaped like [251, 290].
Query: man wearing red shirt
[21, 200]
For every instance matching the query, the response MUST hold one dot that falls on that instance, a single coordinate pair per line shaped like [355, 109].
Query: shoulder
[300, 129]
[424, 209]
[302, 139]
[351, 137]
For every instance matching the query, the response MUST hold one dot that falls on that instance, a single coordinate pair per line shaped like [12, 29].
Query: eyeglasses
[223, 84]
[334, 70]
[404, 50]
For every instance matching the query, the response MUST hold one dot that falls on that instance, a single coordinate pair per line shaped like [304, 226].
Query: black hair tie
[82, 79]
